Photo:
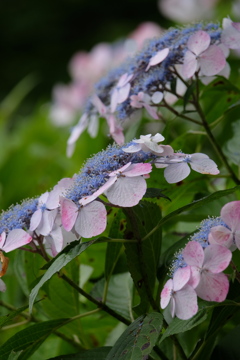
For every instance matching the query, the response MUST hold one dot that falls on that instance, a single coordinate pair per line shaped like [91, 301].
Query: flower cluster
[198, 268]
[73, 207]
[143, 80]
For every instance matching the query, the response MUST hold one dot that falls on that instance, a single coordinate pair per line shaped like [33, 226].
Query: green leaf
[57, 265]
[114, 249]
[155, 193]
[30, 338]
[188, 93]
[8, 318]
[119, 295]
[93, 354]
[195, 204]
[178, 326]
[138, 339]
[218, 97]
[143, 256]
[14, 355]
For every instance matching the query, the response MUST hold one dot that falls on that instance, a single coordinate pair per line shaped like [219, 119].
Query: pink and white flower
[88, 220]
[209, 58]
[231, 34]
[179, 295]
[177, 166]
[147, 143]
[143, 100]
[206, 270]
[121, 91]
[227, 236]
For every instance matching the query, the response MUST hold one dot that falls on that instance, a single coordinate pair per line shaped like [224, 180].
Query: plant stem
[175, 112]
[100, 305]
[212, 139]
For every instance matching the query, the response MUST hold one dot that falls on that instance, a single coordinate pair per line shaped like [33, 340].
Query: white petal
[176, 172]
[190, 65]
[2, 239]
[87, 199]
[204, 166]
[92, 220]
[137, 169]
[55, 240]
[212, 61]
[35, 219]
[47, 222]
[126, 191]
[132, 148]
[186, 303]
[123, 93]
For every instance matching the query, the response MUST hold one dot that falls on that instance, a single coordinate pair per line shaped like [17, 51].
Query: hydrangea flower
[206, 270]
[147, 143]
[177, 167]
[179, 295]
[143, 100]
[231, 34]
[158, 58]
[209, 58]
[228, 235]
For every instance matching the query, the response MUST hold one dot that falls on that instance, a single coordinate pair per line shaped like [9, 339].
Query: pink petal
[195, 277]
[120, 170]
[98, 104]
[127, 191]
[231, 37]
[92, 220]
[166, 294]
[220, 235]
[69, 213]
[212, 61]
[186, 303]
[199, 42]
[176, 172]
[216, 258]
[237, 239]
[124, 79]
[2, 239]
[35, 219]
[151, 111]
[16, 239]
[193, 254]
[230, 214]
[158, 58]
[138, 169]
[190, 65]
[213, 287]
[181, 277]
[87, 199]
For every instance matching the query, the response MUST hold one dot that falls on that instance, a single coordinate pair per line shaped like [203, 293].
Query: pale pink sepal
[47, 221]
[186, 303]
[127, 191]
[212, 61]
[69, 213]
[174, 173]
[2, 239]
[221, 235]
[166, 294]
[193, 254]
[76, 132]
[202, 164]
[87, 199]
[158, 58]
[91, 220]
[181, 277]
[213, 287]
[199, 42]
[35, 219]
[16, 239]
[216, 258]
